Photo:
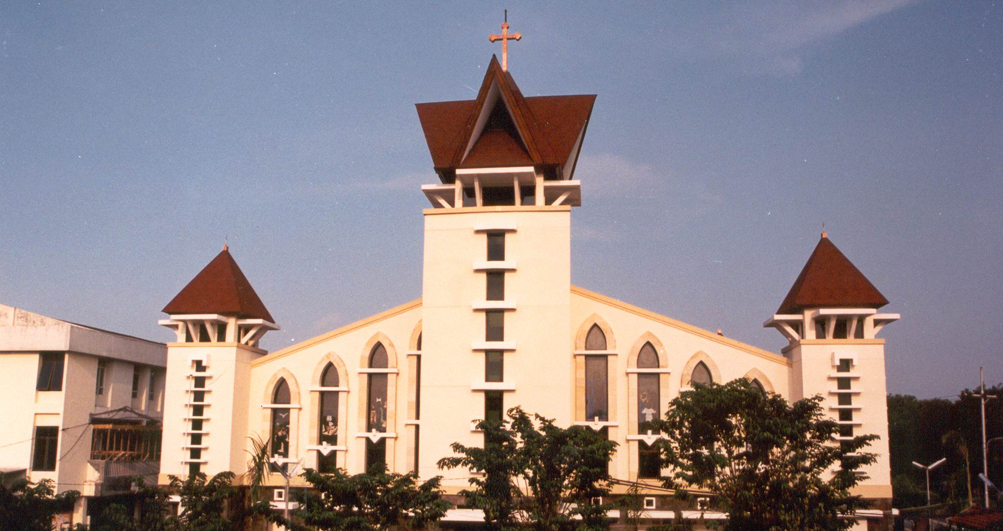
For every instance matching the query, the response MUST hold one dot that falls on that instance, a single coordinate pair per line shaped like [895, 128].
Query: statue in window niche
[378, 416]
[280, 443]
[647, 411]
[329, 431]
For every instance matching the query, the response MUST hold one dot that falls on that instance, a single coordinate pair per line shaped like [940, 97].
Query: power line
[33, 438]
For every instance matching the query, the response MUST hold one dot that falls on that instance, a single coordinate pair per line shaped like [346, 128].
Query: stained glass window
[596, 388]
[701, 375]
[328, 421]
[596, 339]
[280, 420]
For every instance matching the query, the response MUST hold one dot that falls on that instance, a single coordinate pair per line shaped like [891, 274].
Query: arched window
[648, 411]
[756, 384]
[376, 406]
[280, 420]
[701, 375]
[328, 419]
[596, 339]
[596, 378]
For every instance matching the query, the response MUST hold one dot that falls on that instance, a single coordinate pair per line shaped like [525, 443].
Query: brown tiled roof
[830, 280]
[546, 128]
[222, 288]
[976, 518]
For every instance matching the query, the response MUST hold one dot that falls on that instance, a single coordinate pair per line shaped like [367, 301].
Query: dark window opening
[845, 399]
[417, 387]
[493, 406]
[376, 403]
[494, 366]
[150, 391]
[376, 455]
[99, 381]
[528, 195]
[50, 372]
[846, 415]
[845, 430]
[756, 384]
[135, 381]
[819, 328]
[197, 425]
[649, 466]
[221, 332]
[203, 333]
[279, 442]
[648, 402]
[839, 332]
[194, 469]
[46, 442]
[496, 286]
[595, 339]
[843, 384]
[328, 424]
[844, 365]
[858, 331]
[417, 439]
[496, 246]
[494, 325]
[498, 196]
[701, 375]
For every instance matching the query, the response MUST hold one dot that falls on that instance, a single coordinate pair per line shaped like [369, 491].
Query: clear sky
[135, 137]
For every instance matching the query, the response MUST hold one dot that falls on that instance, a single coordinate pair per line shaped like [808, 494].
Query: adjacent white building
[81, 406]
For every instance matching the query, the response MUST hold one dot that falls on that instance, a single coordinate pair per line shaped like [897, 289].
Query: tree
[211, 504]
[376, 501]
[151, 502]
[954, 442]
[767, 461]
[30, 507]
[562, 471]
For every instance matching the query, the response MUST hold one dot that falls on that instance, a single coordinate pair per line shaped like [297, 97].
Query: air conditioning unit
[649, 502]
[279, 495]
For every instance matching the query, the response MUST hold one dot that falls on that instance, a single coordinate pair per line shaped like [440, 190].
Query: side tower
[218, 319]
[830, 316]
[497, 258]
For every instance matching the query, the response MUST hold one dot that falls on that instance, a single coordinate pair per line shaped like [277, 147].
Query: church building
[500, 325]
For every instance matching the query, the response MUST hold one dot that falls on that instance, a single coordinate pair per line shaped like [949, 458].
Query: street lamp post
[283, 464]
[928, 468]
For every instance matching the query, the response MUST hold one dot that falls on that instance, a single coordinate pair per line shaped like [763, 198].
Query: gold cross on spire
[504, 37]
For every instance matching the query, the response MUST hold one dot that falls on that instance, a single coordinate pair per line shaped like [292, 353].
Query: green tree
[562, 471]
[377, 501]
[25, 506]
[212, 504]
[767, 461]
[151, 502]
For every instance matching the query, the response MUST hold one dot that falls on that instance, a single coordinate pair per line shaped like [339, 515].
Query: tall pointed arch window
[756, 384]
[596, 378]
[376, 408]
[648, 411]
[701, 375]
[279, 442]
[328, 418]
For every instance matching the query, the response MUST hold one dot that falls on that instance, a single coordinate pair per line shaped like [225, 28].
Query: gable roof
[830, 280]
[543, 131]
[221, 288]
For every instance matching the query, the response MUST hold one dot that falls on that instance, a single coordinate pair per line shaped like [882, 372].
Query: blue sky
[135, 137]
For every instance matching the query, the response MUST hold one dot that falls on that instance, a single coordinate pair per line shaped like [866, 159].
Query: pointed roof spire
[222, 288]
[830, 280]
[503, 128]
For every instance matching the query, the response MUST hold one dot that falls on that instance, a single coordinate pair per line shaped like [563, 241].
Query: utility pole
[985, 444]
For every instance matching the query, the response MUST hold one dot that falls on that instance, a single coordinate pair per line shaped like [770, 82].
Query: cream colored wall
[538, 368]
[19, 406]
[301, 366]
[683, 346]
[228, 381]
[814, 362]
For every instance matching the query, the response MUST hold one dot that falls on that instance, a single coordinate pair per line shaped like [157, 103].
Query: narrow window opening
[46, 442]
[496, 246]
[844, 365]
[496, 286]
[596, 388]
[819, 328]
[493, 406]
[494, 325]
[50, 372]
[99, 381]
[846, 415]
[839, 332]
[135, 381]
[701, 375]
[845, 399]
[494, 366]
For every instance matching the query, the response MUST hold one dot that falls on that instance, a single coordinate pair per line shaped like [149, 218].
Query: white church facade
[500, 325]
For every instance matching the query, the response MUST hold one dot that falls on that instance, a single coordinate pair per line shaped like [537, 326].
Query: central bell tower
[497, 257]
